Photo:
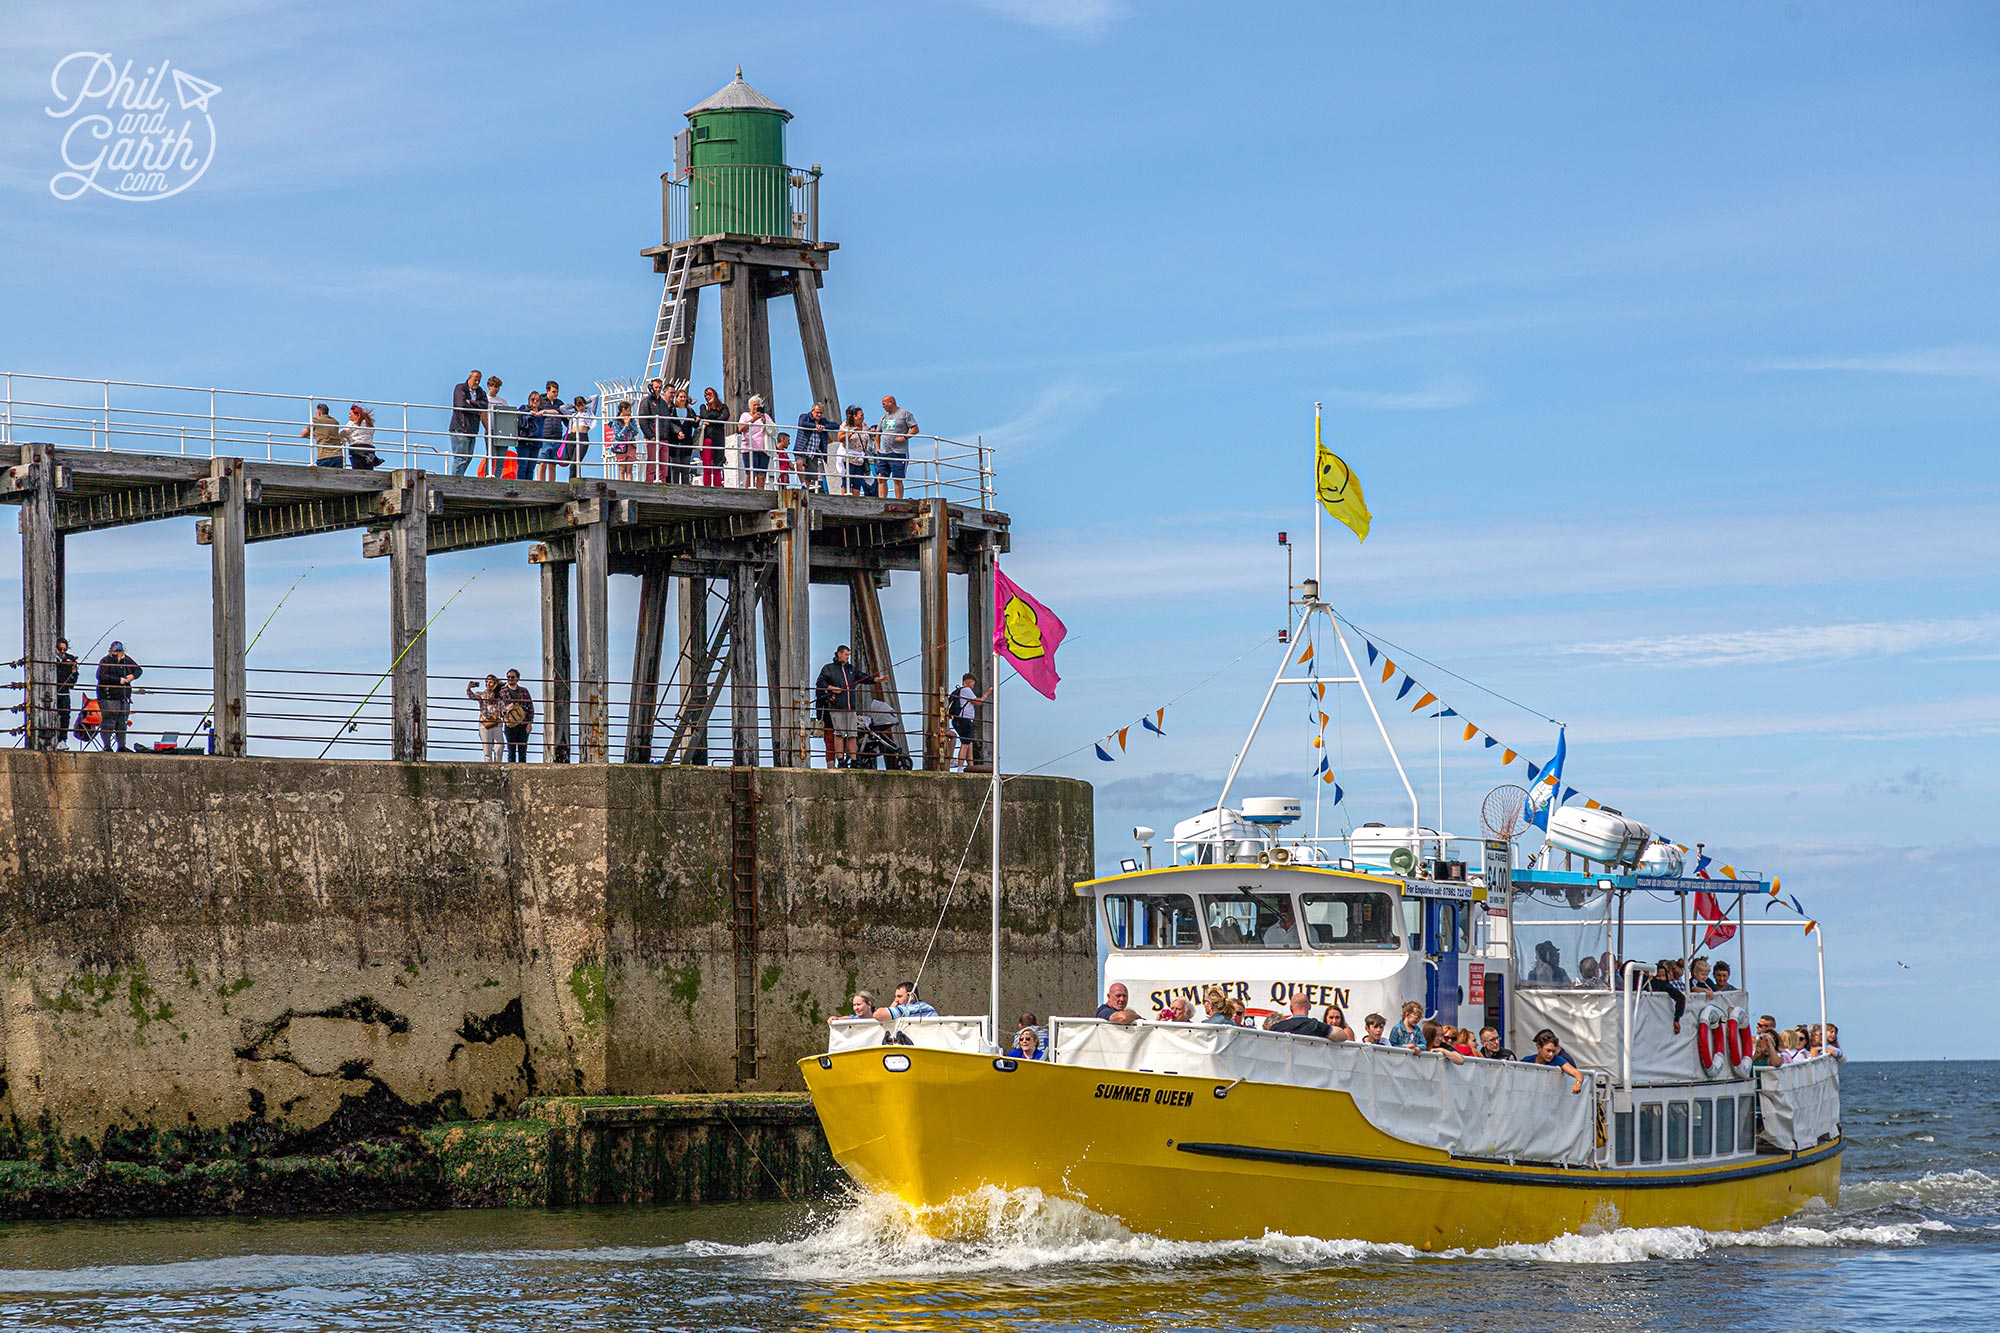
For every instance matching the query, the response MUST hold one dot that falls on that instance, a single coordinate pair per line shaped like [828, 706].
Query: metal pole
[107, 416]
[211, 423]
[1819, 945]
[994, 995]
[1368, 698]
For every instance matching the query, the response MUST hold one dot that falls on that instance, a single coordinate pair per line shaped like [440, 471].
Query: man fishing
[115, 674]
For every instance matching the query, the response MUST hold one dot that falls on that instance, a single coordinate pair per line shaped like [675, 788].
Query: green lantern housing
[734, 160]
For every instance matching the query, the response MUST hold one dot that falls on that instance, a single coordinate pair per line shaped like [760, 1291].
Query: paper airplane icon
[194, 93]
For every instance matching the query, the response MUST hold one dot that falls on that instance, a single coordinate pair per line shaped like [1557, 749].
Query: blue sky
[1663, 340]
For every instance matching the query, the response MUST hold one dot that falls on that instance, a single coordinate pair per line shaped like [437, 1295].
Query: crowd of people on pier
[662, 436]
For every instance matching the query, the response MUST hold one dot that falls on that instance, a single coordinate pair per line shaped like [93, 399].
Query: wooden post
[743, 664]
[691, 667]
[648, 647]
[812, 339]
[792, 616]
[555, 662]
[41, 593]
[760, 347]
[871, 647]
[737, 366]
[593, 647]
[979, 641]
[409, 550]
[934, 632]
[774, 700]
[227, 611]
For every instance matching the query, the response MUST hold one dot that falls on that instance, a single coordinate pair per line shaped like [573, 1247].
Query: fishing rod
[203, 719]
[21, 732]
[348, 725]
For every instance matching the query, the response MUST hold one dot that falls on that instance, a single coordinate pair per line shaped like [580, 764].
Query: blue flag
[1543, 796]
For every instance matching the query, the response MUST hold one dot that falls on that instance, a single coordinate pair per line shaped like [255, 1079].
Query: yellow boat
[1651, 1115]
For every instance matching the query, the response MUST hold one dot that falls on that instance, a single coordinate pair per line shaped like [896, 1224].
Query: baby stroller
[877, 746]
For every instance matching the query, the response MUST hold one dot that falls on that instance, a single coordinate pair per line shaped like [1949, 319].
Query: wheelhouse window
[1250, 920]
[1746, 1123]
[1364, 920]
[1725, 1126]
[1151, 921]
[1650, 1122]
[1621, 1129]
[1677, 1131]
[1704, 1127]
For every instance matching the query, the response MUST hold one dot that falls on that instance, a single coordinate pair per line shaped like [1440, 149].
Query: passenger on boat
[1490, 1047]
[1409, 1034]
[1117, 1006]
[1284, 932]
[1028, 1020]
[1767, 1052]
[1215, 1006]
[1720, 976]
[1437, 1041]
[1767, 1026]
[862, 1006]
[1336, 1024]
[1833, 1043]
[1372, 1031]
[1464, 1042]
[1548, 969]
[1180, 1009]
[907, 1005]
[1661, 983]
[1549, 1051]
[1300, 1020]
[1698, 977]
[1027, 1046]
[1588, 974]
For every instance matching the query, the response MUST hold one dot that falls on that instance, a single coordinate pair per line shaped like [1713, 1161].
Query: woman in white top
[753, 430]
[850, 453]
[359, 436]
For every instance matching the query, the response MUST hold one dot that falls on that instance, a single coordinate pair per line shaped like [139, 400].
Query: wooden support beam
[139, 504]
[743, 665]
[555, 662]
[979, 562]
[760, 349]
[41, 595]
[774, 695]
[648, 647]
[870, 642]
[229, 492]
[791, 617]
[934, 633]
[593, 640]
[408, 612]
[737, 363]
[812, 340]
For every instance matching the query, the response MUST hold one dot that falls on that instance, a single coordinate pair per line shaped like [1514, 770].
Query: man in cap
[115, 673]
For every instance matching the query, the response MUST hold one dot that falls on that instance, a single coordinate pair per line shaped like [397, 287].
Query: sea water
[1914, 1245]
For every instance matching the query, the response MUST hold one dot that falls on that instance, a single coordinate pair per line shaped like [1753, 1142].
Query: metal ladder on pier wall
[743, 914]
[670, 329]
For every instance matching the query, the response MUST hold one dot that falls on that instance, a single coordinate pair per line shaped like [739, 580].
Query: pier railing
[311, 712]
[132, 417]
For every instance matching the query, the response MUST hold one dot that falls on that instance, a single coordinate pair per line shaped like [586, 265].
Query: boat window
[1151, 921]
[1621, 1137]
[1561, 935]
[1413, 922]
[1250, 920]
[1677, 1131]
[1746, 1124]
[1704, 1126]
[1725, 1126]
[1649, 1132]
[1464, 927]
[1349, 920]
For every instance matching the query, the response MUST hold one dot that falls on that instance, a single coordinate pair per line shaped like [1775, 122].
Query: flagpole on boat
[993, 997]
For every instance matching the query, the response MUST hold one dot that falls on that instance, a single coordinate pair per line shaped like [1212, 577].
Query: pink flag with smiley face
[1026, 633]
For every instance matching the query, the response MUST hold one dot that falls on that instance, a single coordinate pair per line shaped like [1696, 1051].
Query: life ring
[1709, 1039]
[1743, 1046]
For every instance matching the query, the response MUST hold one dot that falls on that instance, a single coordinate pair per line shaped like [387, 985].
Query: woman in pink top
[754, 446]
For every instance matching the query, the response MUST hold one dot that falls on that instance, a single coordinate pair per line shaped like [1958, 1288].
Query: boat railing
[1500, 1109]
[1799, 1103]
[1339, 852]
[970, 1033]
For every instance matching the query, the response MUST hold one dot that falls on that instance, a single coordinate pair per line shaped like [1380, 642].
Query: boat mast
[1314, 606]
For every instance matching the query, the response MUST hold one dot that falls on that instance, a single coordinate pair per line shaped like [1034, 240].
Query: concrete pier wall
[304, 953]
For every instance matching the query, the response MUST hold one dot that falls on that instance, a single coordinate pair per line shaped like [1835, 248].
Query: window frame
[1256, 946]
[1655, 1113]
[1746, 1125]
[1624, 1138]
[1677, 1129]
[1194, 910]
[1725, 1126]
[1701, 1140]
[1303, 904]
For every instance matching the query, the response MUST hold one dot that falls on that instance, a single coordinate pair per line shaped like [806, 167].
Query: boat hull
[1166, 1155]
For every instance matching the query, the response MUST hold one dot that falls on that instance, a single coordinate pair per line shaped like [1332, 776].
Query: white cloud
[1790, 643]
[1971, 715]
[1085, 19]
[1438, 396]
[1051, 412]
[1969, 361]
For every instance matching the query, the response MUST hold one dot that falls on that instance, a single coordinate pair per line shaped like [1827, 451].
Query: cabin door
[1441, 974]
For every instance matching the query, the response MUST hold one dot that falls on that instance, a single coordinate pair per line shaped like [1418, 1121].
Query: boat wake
[871, 1237]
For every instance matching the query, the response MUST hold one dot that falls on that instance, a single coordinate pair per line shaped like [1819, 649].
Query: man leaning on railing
[468, 409]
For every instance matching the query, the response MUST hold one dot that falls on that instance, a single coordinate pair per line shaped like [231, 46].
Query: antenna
[1500, 813]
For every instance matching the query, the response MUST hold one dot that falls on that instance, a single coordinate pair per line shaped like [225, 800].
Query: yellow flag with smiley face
[1338, 489]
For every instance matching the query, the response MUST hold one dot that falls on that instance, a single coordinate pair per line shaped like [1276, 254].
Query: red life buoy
[1709, 1038]
[1735, 1046]
[1746, 1050]
[1701, 1044]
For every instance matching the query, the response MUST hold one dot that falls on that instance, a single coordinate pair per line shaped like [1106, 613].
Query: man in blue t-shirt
[1549, 1051]
[1117, 1006]
[906, 1005]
